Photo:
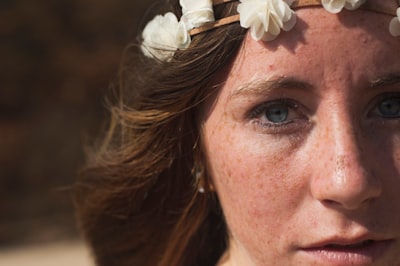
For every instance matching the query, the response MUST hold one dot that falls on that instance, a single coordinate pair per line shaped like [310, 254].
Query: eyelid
[261, 107]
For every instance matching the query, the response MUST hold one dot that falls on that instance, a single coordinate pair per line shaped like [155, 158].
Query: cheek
[257, 181]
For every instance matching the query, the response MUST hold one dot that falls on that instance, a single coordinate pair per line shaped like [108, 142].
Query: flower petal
[274, 26]
[266, 18]
[289, 18]
[196, 13]
[333, 6]
[248, 11]
[257, 32]
[191, 5]
[289, 2]
[353, 4]
[288, 25]
[182, 37]
[394, 26]
[163, 35]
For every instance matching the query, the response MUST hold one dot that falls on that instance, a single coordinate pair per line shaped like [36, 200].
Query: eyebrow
[261, 87]
[388, 80]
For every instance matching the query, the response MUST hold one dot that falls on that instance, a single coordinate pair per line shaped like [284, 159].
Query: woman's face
[303, 144]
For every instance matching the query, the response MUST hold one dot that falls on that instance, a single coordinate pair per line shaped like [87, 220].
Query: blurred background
[58, 57]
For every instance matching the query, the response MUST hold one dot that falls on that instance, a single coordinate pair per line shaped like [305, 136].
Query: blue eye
[389, 108]
[277, 112]
[280, 113]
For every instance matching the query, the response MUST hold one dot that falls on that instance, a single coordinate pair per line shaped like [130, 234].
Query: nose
[345, 180]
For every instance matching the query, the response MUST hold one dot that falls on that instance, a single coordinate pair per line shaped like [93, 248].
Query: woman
[273, 146]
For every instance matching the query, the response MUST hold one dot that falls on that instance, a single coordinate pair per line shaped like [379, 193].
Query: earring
[198, 172]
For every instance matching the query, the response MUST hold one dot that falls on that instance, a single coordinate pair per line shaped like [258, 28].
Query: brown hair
[137, 201]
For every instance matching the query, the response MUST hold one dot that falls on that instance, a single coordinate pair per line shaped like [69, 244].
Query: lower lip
[358, 256]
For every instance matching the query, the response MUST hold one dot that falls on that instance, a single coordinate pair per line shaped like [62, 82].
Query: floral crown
[163, 35]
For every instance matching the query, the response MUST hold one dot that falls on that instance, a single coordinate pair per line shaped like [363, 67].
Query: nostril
[347, 204]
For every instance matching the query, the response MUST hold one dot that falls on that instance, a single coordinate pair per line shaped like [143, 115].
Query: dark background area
[58, 58]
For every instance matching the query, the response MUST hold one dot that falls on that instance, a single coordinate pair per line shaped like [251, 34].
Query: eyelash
[258, 116]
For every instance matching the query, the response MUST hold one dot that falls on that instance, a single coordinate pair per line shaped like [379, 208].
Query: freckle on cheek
[262, 168]
[228, 172]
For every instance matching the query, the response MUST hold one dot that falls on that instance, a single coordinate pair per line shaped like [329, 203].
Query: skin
[329, 172]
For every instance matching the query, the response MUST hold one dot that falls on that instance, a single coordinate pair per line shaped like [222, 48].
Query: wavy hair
[136, 199]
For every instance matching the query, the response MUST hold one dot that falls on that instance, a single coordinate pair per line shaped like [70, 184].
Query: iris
[277, 113]
[390, 108]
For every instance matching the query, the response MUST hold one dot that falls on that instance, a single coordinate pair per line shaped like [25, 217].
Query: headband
[265, 19]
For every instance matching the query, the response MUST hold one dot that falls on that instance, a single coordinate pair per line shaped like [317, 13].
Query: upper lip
[345, 241]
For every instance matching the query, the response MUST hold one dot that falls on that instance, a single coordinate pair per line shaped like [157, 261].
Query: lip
[344, 252]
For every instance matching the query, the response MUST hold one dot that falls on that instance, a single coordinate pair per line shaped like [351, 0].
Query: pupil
[277, 113]
[390, 108]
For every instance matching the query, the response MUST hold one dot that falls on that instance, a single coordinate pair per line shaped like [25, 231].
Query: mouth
[346, 247]
[343, 252]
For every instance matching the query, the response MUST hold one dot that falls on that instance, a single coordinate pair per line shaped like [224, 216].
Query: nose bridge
[348, 169]
[347, 180]
[346, 145]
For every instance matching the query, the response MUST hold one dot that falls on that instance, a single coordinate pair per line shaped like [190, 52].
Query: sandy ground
[52, 254]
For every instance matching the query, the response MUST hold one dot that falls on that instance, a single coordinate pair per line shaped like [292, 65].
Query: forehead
[358, 41]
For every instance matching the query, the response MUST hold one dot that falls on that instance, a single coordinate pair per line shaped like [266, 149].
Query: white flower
[163, 35]
[195, 13]
[394, 26]
[335, 6]
[266, 18]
